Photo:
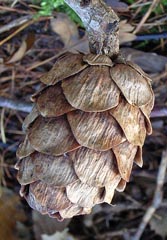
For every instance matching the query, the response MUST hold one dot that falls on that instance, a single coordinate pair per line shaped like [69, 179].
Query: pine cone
[87, 127]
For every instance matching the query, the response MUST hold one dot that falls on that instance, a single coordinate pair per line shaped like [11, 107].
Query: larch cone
[86, 129]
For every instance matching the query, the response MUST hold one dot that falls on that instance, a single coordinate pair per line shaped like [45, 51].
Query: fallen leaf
[10, 213]
[66, 29]
[155, 64]
[125, 34]
[19, 54]
[26, 44]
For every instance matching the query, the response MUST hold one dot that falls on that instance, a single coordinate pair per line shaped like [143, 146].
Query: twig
[22, 28]
[158, 196]
[143, 20]
[159, 112]
[155, 36]
[27, 107]
[15, 23]
[15, 104]
[101, 23]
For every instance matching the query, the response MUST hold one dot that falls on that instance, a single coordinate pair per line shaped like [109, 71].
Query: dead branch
[15, 104]
[158, 196]
[15, 23]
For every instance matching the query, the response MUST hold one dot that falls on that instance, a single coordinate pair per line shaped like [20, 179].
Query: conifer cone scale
[84, 133]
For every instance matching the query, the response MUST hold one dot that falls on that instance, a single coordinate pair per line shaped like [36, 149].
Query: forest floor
[30, 42]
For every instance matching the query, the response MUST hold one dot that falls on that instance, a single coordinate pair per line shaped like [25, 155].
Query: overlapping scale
[52, 136]
[26, 173]
[30, 118]
[84, 195]
[146, 110]
[47, 168]
[51, 102]
[74, 210]
[98, 131]
[48, 198]
[24, 149]
[94, 90]
[97, 59]
[138, 158]
[131, 120]
[133, 85]
[65, 66]
[125, 154]
[95, 168]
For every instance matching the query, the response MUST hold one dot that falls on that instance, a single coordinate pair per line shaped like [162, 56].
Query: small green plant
[48, 6]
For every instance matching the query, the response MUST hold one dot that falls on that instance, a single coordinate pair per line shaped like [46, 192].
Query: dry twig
[15, 23]
[158, 196]
[145, 17]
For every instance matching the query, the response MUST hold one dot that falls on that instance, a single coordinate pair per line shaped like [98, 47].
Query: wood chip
[98, 131]
[94, 90]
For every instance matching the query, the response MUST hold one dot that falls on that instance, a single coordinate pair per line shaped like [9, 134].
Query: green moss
[48, 6]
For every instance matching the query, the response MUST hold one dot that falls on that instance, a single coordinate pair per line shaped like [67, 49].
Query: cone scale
[86, 129]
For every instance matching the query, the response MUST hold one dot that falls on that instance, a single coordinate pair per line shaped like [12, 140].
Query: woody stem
[101, 23]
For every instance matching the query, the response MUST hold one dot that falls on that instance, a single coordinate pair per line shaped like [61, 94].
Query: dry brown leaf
[66, 29]
[10, 213]
[125, 33]
[155, 64]
[19, 54]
